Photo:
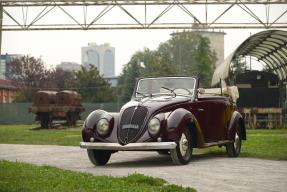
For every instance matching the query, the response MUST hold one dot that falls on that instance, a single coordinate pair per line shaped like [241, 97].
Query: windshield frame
[169, 94]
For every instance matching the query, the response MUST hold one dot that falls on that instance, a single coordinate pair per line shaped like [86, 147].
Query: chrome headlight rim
[154, 126]
[102, 127]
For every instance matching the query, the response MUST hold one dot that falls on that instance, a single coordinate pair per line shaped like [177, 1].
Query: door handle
[200, 109]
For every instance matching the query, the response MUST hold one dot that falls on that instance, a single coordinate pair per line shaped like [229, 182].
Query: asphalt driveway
[203, 173]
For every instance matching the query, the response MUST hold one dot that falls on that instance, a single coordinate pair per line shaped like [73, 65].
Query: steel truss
[43, 9]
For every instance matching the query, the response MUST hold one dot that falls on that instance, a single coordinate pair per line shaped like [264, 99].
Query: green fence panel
[17, 113]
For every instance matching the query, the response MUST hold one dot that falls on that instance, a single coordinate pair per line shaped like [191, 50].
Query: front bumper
[130, 146]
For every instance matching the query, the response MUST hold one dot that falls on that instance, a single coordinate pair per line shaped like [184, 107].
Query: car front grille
[131, 123]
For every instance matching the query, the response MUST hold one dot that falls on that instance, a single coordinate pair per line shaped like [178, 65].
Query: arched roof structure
[269, 47]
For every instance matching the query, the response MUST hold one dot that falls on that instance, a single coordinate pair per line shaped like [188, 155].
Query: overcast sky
[57, 46]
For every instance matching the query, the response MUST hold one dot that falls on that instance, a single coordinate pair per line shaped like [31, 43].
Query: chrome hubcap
[183, 145]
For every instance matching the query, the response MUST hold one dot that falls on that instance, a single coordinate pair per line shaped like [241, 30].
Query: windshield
[183, 86]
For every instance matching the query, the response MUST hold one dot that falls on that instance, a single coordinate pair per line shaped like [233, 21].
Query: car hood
[156, 103]
[135, 115]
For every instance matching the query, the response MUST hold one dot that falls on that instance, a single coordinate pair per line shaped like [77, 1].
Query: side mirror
[201, 90]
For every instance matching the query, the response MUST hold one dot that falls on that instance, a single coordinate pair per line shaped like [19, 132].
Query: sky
[55, 47]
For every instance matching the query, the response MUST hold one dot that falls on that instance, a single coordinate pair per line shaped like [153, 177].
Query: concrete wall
[216, 43]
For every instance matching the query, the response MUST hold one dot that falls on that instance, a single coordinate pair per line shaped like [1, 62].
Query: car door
[200, 109]
[217, 120]
[210, 113]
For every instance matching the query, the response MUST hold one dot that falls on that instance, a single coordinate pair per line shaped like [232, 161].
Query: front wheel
[181, 155]
[99, 157]
[233, 149]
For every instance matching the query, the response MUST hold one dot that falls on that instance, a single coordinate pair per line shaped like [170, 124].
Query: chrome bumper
[130, 146]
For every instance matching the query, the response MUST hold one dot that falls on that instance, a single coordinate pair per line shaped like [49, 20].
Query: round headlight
[154, 126]
[103, 127]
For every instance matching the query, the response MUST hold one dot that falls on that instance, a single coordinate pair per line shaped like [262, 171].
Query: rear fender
[236, 119]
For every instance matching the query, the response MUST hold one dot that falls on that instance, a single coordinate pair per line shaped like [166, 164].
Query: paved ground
[203, 173]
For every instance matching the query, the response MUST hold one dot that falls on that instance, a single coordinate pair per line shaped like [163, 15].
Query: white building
[69, 66]
[2, 69]
[4, 64]
[101, 56]
[216, 39]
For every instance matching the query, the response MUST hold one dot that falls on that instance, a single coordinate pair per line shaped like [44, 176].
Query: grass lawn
[24, 134]
[267, 144]
[260, 143]
[23, 177]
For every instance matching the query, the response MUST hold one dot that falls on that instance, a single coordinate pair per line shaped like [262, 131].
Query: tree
[127, 80]
[192, 55]
[163, 64]
[238, 66]
[92, 86]
[186, 53]
[204, 62]
[29, 74]
[58, 78]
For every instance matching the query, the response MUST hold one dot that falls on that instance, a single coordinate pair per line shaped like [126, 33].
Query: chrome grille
[131, 123]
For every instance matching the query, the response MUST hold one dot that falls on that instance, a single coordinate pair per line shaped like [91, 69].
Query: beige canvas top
[231, 91]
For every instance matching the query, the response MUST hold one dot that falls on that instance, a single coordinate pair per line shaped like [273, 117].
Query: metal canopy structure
[269, 47]
[141, 14]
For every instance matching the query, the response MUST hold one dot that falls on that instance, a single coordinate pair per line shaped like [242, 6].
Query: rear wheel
[181, 155]
[99, 157]
[233, 149]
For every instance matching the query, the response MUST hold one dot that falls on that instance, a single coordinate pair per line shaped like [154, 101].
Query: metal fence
[17, 113]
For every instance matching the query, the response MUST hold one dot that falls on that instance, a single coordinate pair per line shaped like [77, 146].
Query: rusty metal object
[263, 117]
[68, 98]
[51, 105]
[44, 98]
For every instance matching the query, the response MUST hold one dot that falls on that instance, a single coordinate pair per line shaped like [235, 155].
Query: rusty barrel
[66, 97]
[44, 98]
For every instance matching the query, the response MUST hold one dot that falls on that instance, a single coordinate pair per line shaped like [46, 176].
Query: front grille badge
[126, 140]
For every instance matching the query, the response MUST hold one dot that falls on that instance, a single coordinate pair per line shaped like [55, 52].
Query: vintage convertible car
[170, 115]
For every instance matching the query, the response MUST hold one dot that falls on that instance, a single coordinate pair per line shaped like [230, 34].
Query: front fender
[91, 122]
[178, 120]
[236, 119]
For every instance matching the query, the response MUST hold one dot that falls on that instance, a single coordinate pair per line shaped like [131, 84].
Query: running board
[217, 143]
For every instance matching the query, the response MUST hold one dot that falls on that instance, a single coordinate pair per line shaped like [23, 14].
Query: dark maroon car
[170, 115]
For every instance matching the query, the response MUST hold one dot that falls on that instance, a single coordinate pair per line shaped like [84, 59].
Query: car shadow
[161, 160]
[150, 161]
[207, 156]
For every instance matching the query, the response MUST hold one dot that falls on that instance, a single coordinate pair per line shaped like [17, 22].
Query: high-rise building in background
[8, 90]
[2, 69]
[101, 56]
[4, 64]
